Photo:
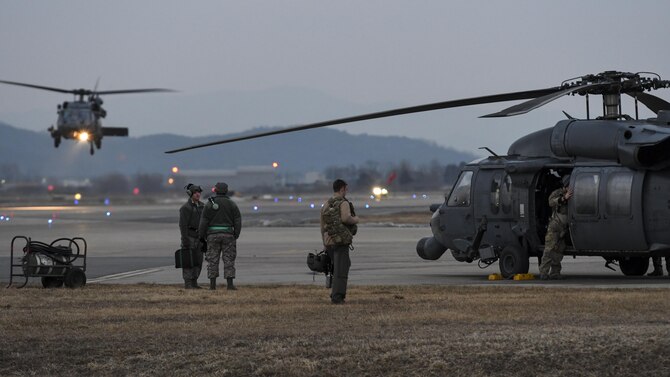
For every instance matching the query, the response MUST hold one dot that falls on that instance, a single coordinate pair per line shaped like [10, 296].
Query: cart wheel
[75, 278]
[52, 282]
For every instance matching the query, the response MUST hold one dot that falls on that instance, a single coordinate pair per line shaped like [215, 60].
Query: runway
[136, 244]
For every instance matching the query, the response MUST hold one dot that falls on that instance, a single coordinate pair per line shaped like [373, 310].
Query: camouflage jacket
[337, 222]
[559, 206]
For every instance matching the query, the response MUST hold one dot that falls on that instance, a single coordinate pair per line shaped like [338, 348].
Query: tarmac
[135, 243]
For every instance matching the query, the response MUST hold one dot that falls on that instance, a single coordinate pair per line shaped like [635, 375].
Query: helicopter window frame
[586, 190]
[506, 194]
[496, 185]
[619, 194]
[461, 194]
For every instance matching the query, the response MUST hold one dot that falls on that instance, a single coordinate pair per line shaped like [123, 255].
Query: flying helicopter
[81, 119]
[619, 169]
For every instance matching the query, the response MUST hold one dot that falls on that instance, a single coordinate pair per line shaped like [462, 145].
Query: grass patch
[110, 330]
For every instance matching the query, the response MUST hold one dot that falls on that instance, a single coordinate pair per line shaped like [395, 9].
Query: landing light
[83, 136]
[378, 192]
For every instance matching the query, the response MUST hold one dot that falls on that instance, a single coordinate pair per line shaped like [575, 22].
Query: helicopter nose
[430, 249]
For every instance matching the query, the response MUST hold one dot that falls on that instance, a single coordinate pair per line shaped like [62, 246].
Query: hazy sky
[372, 53]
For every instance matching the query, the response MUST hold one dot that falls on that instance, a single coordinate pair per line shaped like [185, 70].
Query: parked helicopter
[81, 119]
[619, 169]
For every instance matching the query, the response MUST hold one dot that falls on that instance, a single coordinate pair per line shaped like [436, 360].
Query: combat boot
[194, 284]
[187, 284]
[212, 284]
[656, 272]
[231, 286]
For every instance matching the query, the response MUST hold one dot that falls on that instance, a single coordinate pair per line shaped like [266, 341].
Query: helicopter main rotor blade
[388, 113]
[125, 91]
[533, 104]
[59, 90]
[652, 102]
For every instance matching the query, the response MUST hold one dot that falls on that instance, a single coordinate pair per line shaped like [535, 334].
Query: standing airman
[221, 224]
[189, 218]
[557, 231]
[338, 226]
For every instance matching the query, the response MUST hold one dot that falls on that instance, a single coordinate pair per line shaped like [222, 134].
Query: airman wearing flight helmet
[189, 218]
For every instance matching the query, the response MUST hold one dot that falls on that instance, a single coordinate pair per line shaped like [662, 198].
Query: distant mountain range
[313, 150]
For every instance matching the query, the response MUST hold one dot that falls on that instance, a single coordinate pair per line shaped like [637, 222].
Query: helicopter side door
[495, 202]
[605, 212]
[459, 221]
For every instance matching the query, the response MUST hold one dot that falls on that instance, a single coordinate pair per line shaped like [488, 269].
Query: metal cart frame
[21, 266]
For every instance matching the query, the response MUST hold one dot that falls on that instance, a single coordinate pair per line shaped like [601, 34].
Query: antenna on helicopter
[490, 151]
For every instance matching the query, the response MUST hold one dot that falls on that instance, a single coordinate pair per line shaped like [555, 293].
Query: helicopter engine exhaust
[430, 249]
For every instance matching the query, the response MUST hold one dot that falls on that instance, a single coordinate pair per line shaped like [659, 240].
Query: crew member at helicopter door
[557, 230]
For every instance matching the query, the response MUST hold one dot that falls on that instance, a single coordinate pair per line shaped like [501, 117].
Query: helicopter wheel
[634, 266]
[92, 150]
[513, 260]
[98, 143]
[56, 141]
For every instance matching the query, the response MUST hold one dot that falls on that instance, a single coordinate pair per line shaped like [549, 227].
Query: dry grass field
[140, 330]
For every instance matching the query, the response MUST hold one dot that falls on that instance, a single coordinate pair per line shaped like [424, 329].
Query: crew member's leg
[341, 264]
[229, 255]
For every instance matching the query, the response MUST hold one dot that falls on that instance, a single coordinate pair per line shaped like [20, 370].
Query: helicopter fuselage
[81, 120]
[498, 208]
[77, 117]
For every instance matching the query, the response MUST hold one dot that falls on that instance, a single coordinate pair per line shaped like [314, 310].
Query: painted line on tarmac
[124, 275]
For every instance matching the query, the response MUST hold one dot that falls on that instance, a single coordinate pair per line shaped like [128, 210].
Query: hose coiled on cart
[57, 253]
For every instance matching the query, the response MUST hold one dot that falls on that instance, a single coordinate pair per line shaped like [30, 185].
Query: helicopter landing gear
[513, 260]
[634, 266]
[55, 135]
[98, 143]
[92, 149]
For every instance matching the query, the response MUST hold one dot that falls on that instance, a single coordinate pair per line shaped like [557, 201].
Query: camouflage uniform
[337, 237]
[222, 228]
[189, 218]
[221, 246]
[554, 241]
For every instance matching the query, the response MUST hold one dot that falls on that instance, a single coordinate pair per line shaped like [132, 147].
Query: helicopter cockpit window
[75, 116]
[460, 195]
[619, 188]
[586, 193]
[495, 193]
[506, 194]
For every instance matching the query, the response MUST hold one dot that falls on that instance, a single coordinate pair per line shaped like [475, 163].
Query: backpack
[338, 232]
